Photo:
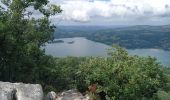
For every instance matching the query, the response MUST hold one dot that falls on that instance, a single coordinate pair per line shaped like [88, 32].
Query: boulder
[51, 96]
[20, 91]
[6, 95]
[72, 95]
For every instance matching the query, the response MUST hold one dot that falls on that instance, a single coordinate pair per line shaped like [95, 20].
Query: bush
[122, 76]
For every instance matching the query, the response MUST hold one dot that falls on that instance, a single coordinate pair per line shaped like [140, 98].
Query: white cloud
[87, 10]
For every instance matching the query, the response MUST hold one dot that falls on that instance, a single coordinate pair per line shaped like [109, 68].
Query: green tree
[122, 76]
[21, 37]
[66, 72]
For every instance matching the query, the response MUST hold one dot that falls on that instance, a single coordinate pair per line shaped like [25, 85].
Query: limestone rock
[72, 95]
[20, 91]
[5, 95]
[51, 96]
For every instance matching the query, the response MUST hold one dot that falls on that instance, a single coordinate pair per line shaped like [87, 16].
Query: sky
[112, 12]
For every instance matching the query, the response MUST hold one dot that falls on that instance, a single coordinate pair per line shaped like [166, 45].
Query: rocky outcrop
[72, 95]
[20, 91]
[51, 96]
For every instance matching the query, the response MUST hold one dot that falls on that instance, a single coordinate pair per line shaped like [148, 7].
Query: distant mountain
[131, 37]
[84, 29]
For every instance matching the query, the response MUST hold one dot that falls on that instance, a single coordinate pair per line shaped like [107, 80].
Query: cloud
[87, 10]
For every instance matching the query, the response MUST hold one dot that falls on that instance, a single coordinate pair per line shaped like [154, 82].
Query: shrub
[122, 76]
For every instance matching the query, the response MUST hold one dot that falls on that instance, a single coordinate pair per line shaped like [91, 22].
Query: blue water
[83, 47]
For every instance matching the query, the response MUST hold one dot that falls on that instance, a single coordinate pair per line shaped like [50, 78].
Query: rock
[5, 95]
[72, 95]
[20, 91]
[51, 96]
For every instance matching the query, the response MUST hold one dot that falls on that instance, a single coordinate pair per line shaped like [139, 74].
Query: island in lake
[56, 41]
[70, 42]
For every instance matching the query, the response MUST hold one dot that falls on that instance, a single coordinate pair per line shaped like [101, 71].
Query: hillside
[132, 37]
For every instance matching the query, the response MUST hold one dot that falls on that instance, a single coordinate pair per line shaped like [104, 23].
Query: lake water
[80, 46]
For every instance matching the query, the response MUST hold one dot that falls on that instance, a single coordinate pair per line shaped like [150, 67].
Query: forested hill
[131, 37]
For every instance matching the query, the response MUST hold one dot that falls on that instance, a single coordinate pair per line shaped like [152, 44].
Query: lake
[81, 47]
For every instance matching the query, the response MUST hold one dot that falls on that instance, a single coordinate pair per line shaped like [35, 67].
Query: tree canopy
[21, 37]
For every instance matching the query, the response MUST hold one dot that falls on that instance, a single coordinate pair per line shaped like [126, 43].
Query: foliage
[122, 76]
[66, 69]
[162, 95]
[21, 37]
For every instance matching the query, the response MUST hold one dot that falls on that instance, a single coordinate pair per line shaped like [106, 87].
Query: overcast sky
[113, 12]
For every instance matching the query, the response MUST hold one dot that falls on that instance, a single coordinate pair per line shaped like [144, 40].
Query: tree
[122, 76]
[21, 37]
